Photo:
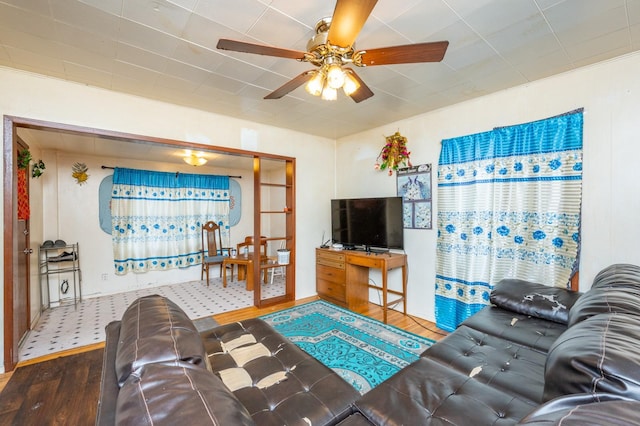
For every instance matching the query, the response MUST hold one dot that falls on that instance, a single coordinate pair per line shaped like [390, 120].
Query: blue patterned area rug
[361, 350]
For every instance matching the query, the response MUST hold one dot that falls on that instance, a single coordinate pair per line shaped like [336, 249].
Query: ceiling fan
[333, 47]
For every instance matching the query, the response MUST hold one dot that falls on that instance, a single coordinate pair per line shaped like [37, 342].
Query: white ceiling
[166, 50]
[113, 149]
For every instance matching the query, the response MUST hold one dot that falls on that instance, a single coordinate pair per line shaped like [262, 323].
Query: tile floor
[68, 327]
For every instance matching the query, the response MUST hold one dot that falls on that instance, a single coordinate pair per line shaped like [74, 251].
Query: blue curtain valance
[168, 180]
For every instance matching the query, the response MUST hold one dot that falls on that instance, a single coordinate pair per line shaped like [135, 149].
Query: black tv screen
[366, 223]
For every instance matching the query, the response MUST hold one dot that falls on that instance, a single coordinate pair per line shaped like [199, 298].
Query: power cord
[409, 315]
[427, 328]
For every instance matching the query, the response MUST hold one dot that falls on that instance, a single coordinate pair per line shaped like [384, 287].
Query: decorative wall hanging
[80, 173]
[414, 186]
[23, 195]
[394, 154]
[104, 203]
[24, 158]
[235, 202]
[38, 169]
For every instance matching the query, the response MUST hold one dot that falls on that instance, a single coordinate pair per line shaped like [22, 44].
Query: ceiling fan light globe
[335, 76]
[315, 85]
[350, 84]
[329, 93]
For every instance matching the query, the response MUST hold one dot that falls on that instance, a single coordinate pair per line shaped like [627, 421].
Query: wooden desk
[342, 277]
[245, 268]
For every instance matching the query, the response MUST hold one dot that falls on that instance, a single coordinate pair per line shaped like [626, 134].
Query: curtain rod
[111, 168]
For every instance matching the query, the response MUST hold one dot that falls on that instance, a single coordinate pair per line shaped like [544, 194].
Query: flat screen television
[367, 223]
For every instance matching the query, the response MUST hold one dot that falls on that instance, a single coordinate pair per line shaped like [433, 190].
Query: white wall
[34, 96]
[610, 95]
[609, 92]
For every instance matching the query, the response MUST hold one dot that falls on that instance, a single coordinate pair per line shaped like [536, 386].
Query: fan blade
[290, 85]
[363, 91]
[406, 54]
[241, 46]
[348, 19]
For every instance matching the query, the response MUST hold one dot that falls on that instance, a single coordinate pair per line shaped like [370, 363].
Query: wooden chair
[248, 244]
[212, 251]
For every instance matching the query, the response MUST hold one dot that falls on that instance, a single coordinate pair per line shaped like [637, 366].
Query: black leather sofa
[159, 370]
[538, 355]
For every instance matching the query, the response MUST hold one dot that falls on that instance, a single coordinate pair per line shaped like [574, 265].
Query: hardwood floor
[63, 388]
[62, 391]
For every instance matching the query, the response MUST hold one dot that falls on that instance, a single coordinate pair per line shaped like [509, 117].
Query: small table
[246, 272]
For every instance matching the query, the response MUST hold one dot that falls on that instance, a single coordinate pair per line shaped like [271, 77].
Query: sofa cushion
[598, 355]
[177, 393]
[536, 333]
[537, 300]
[427, 392]
[615, 289]
[513, 368]
[274, 379]
[155, 329]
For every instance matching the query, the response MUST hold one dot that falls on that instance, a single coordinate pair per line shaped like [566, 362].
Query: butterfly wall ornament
[80, 173]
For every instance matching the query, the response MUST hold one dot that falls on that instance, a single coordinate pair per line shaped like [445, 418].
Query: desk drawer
[332, 290]
[332, 274]
[330, 258]
[370, 261]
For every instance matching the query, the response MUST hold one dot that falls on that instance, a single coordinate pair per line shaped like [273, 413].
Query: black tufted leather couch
[159, 370]
[538, 356]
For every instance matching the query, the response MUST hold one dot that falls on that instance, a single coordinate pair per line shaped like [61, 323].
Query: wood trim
[574, 281]
[11, 124]
[9, 243]
[289, 238]
[131, 137]
[291, 228]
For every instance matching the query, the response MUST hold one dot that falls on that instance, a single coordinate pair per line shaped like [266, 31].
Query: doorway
[11, 126]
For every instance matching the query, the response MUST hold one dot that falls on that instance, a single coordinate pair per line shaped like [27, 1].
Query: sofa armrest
[537, 300]
[155, 329]
[585, 409]
[109, 382]
[178, 392]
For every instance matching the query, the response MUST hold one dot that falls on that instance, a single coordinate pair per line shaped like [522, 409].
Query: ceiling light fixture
[330, 59]
[328, 79]
[194, 159]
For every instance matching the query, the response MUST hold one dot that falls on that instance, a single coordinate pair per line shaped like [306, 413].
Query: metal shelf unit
[51, 263]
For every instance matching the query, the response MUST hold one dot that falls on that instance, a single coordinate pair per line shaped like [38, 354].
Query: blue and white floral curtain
[157, 218]
[509, 205]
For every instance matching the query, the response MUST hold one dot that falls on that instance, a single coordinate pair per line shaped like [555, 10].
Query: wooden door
[21, 306]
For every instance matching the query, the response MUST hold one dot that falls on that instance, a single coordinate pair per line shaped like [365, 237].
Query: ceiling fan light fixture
[315, 85]
[335, 76]
[194, 160]
[332, 47]
[351, 84]
[329, 93]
